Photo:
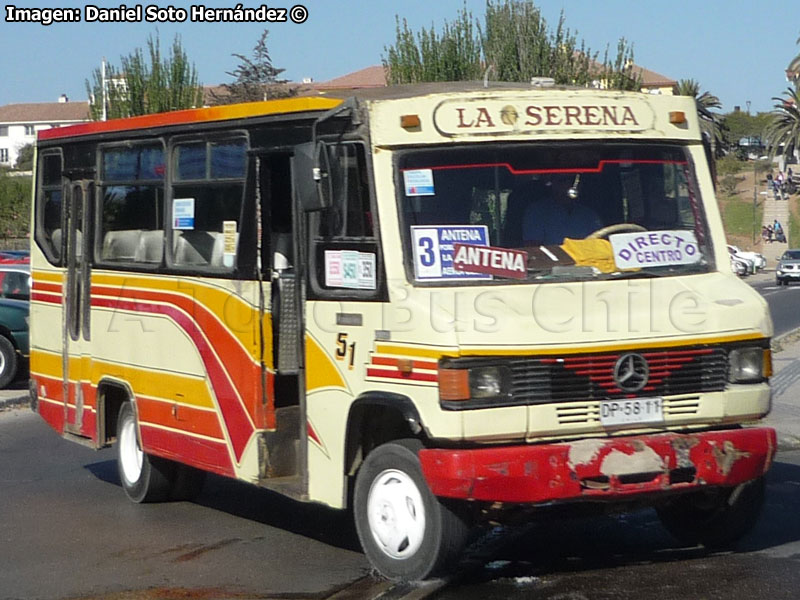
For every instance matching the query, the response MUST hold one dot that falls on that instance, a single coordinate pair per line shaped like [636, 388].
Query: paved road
[68, 531]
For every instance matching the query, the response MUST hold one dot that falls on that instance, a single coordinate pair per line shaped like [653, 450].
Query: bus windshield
[551, 211]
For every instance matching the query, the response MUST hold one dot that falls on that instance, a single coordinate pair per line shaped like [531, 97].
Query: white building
[20, 122]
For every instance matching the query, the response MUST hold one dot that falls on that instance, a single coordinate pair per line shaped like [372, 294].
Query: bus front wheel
[715, 518]
[406, 532]
[144, 478]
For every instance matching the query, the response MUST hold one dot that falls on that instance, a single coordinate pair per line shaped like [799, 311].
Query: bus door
[76, 308]
[282, 339]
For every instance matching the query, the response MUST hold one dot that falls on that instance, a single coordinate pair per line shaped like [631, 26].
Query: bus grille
[591, 377]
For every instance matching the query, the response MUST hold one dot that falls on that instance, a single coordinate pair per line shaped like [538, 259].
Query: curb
[15, 401]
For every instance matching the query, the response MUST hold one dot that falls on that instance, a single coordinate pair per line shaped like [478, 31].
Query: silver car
[788, 267]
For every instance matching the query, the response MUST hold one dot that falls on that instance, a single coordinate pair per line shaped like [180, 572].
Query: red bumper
[600, 468]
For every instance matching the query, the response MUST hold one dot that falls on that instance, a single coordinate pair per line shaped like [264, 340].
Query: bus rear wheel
[147, 478]
[406, 532]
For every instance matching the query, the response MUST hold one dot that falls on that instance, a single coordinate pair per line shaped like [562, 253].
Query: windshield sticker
[229, 242]
[434, 247]
[501, 262]
[419, 182]
[350, 269]
[654, 249]
[183, 213]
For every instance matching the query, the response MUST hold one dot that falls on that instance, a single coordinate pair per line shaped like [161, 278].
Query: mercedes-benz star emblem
[631, 372]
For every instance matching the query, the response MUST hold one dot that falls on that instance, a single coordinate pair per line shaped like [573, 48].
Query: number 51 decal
[343, 349]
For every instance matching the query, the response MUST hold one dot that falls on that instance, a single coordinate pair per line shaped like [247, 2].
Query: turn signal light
[454, 384]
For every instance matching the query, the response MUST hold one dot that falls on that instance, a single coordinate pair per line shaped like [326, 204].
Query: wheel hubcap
[130, 454]
[396, 514]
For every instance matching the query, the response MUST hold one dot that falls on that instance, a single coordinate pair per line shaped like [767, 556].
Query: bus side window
[207, 189]
[48, 218]
[131, 205]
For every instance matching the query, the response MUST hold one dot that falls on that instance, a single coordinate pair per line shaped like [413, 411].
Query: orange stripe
[195, 115]
[393, 362]
[179, 416]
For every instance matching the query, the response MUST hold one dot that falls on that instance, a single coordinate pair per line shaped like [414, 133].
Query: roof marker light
[410, 122]
[677, 117]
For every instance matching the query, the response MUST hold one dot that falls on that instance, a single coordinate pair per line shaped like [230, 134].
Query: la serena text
[556, 115]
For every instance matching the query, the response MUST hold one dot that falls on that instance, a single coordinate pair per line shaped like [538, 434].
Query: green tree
[740, 124]
[514, 43]
[145, 83]
[15, 207]
[256, 78]
[25, 158]
[710, 122]
[783, 132]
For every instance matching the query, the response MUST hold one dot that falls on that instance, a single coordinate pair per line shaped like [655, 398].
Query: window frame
[207, 138]
[697, 203]
[102, 183]
[39, 231]
[316, 243]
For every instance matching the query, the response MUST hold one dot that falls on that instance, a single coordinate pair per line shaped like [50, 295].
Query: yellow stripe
[50, 276]
[521, 351]
[253, 109]
[321, 372]
[144, 382]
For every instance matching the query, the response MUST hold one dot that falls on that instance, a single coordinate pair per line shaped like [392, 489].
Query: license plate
[631, 411]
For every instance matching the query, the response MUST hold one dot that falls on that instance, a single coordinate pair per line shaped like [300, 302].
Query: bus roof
[195, 115]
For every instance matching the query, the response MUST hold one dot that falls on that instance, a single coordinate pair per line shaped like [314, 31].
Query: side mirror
[323, 175]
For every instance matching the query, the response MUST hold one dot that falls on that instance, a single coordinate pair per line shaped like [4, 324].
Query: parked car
[738, 266]
[756, 258]
[15, 293]
[788, 267]
[14, 349]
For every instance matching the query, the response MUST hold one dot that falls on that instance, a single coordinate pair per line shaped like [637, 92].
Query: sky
[736, 50]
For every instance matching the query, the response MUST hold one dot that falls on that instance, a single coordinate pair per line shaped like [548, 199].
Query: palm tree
[783, 132]
[705, 103]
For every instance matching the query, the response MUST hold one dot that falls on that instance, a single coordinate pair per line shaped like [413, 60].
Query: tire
[9, 361]
[717, 519]
[406, 532]
[144, 478]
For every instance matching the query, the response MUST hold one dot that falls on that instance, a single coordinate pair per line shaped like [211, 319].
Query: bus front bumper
[607, 468]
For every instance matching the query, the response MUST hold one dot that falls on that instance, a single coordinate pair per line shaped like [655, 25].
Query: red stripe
[203, 454]
[180, 416]
[598, 169]
[47, 287]
[398, 375]
[233, 413]
[393, 362]
[47, 298]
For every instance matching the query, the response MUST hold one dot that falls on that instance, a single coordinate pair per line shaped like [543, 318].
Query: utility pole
[755, 197]
[105, 95]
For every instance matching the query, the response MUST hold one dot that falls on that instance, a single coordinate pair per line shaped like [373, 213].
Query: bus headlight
[488, 382]
[749, 365]
[474, 384]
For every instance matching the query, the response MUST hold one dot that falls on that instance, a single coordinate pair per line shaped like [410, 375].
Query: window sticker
[350, 269]
[183, 213]
[654, 249]
[501, 262]
[434, 247]
[229, 242]
[419, 182]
